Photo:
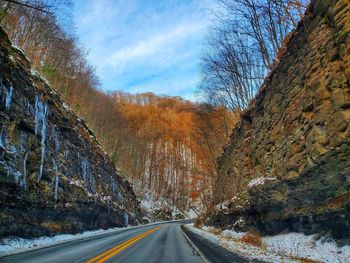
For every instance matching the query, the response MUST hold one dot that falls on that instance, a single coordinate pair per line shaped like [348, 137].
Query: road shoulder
[212, 251]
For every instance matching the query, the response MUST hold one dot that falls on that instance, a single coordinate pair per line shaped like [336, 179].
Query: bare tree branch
[41, 8]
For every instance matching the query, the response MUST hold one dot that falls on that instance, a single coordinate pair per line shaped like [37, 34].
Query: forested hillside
[168, 154]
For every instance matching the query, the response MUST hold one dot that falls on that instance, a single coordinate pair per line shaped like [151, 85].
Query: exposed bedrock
[287, 166]
[54, 177]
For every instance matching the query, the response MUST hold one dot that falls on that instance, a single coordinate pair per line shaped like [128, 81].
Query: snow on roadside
[291, 247]
[14, 244]
[230, 240]
[322, 249]
[190, 214]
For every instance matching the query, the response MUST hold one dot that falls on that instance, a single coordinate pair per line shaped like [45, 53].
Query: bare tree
[242, 48]
[36, 5]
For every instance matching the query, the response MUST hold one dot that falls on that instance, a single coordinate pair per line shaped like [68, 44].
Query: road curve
[154, 243]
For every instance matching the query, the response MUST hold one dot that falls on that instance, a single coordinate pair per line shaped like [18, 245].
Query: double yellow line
[115, 250]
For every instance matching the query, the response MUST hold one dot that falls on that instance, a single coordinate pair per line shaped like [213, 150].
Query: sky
[145, 45]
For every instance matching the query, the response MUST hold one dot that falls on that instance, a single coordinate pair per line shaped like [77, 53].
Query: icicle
[92, 184]
[55, 167]
[12, 171]
[18, 178]
[113, 184]
[14, 150]
[22, 140]
[5, 142]
[57, 142]
[85, 169]
[66, 154]
[8, 99]
[41, 122]
[56, 187]
[2, 145]
[90, 181]
[126, 219]
[25, 169]
[41, 162]
[7, 139]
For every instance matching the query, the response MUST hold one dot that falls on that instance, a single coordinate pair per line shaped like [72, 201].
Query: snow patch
[11, 58]
[20, 50]
[35, 73]
[66, 107]
[223, 206]
[322, 249]
[152, 205]
[260, 181]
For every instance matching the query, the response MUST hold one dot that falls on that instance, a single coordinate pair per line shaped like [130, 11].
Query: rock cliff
[287, 166]
[54, 177]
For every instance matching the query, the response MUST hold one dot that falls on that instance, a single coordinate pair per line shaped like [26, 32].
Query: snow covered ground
[292, 247]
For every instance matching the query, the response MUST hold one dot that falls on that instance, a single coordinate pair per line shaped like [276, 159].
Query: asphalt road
[155, 243]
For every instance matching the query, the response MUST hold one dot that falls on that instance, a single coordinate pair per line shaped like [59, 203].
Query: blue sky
[144, 45]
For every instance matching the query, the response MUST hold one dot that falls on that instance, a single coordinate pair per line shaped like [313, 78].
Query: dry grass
[253, 240]
[216, 231]
[53, 226]
[199, 222]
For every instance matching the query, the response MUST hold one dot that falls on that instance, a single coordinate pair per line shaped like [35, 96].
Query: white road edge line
[206, 260]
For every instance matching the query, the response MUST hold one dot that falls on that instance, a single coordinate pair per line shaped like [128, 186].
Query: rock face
[54, 177]
[289, 160]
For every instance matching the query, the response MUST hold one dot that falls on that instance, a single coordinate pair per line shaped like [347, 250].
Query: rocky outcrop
[288, 162]
[54, 177]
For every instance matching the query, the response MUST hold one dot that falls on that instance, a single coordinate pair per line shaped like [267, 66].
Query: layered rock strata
[54, 177]
[287, 166]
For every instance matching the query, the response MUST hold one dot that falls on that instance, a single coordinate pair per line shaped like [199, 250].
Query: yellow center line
[115, 250]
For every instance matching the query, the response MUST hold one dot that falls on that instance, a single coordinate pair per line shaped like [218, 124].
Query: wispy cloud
[156, 45]
[138, 45]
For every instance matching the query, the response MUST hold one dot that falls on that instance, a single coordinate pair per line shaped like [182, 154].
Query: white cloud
[159, 44]
[152, 43]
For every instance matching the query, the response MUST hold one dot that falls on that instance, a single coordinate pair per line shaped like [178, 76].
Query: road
[154, 243]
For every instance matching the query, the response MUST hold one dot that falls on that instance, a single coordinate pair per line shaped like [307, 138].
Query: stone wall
[295, 136]
[54, 177]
